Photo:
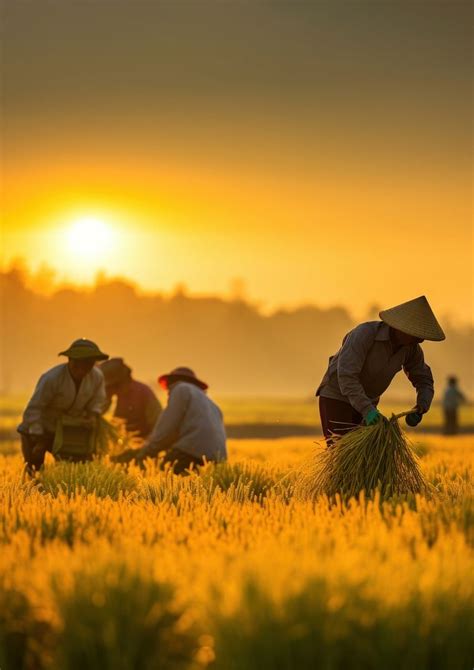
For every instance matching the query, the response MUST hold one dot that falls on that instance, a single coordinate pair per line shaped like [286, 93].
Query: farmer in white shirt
[74, 389]
[190, 430]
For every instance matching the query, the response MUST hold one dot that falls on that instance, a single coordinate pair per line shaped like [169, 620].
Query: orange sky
[315, 178]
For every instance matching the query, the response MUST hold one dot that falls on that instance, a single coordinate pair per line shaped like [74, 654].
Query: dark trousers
[34, 448]
[181, 461]
[337, 417]
[451, 426]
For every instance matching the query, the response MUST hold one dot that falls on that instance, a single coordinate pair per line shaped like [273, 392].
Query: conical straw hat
[416, 318]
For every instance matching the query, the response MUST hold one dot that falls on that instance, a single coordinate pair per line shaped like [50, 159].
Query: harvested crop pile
[364, 459]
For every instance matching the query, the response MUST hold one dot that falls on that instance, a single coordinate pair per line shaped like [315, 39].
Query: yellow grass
[258, 579]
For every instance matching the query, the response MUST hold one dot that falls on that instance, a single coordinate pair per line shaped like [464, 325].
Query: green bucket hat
[83, 348]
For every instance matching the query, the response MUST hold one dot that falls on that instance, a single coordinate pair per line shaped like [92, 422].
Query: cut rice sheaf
[367, 458]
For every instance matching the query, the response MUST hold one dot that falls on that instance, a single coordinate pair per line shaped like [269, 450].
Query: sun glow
[91, 238]
[88, 243]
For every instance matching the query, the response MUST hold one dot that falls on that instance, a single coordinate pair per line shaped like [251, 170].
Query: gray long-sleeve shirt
[191, 422]
[365, 365]
[55, 395]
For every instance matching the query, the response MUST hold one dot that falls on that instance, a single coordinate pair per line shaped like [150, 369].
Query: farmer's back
[201, 429]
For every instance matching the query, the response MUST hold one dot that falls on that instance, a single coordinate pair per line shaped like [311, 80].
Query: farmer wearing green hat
[370, 356]
[74, 390]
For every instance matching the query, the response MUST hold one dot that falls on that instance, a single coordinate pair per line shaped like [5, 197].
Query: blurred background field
[304, 411]
[263, 417]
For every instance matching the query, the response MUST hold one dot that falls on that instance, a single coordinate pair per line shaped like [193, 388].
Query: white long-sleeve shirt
[56, 395]
[191, 422]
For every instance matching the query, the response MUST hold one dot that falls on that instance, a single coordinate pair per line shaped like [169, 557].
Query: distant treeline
[231, 344]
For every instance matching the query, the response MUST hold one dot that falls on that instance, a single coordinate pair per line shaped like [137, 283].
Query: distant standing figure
[136, 402]
[452, 399]
[74, 390]
[191, 428]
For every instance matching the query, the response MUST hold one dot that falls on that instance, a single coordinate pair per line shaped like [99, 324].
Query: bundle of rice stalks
[106, 435]
[364, 459]
[111, 436]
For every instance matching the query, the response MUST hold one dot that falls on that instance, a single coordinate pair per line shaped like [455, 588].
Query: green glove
[372, 417]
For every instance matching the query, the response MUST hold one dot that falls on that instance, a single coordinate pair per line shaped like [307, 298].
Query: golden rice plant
[119, 618]
[206, 571]
[98, 478]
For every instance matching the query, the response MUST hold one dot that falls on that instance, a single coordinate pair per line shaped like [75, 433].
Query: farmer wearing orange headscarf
[370, 356]
[190, 430]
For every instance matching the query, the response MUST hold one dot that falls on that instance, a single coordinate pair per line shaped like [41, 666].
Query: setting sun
[89, 237]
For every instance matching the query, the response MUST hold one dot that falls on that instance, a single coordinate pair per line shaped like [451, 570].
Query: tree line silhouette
[230, 343]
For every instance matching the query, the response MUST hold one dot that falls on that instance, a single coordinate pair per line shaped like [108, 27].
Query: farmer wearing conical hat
[74, 389]
[190, 430]
[370, 356]
[136, 403]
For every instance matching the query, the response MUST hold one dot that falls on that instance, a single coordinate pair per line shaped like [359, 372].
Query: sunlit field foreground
[103, 568]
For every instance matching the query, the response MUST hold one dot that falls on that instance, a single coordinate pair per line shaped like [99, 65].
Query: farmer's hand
[373, 417]
[129, 455]
[40, 446]
[38, 450]
[125, 457]
[140, 459]
[415, 416]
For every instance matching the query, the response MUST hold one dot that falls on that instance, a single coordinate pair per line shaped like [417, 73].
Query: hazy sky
[320, 150]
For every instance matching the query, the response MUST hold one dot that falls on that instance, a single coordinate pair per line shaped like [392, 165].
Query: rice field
[113, 569]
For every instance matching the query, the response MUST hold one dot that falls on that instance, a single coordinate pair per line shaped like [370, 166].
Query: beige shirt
[191, 422]
[56, 395]
[365, 365]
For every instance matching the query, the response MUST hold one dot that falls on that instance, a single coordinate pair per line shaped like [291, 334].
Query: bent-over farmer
[370, 356]
[74, 389]
[136, 402]
[190, 430]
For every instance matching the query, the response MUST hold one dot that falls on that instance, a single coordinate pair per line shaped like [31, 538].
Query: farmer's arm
[166, 429]
[349, 366]
[33, 415]
[420, 376]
